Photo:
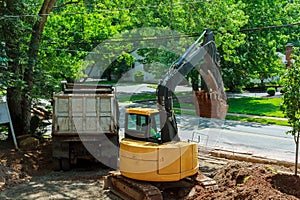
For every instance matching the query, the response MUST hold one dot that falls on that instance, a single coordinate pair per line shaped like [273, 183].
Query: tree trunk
[297, 152]
[34, 45]
[14, 103]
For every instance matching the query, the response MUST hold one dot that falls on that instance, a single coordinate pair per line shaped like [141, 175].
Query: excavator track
[129, 189]
[206, 182]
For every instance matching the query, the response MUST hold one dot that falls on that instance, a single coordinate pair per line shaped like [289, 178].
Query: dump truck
[85, 125]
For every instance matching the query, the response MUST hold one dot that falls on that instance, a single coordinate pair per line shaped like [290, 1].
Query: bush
[271, 91]
[139, 76]
[283, 90]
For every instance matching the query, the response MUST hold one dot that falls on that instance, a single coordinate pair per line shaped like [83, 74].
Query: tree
[291, 103]
[32, 53]
[119, 66]
[225, 19]
[258, 56]
[157, 61]
[23, 37]
[14, 34]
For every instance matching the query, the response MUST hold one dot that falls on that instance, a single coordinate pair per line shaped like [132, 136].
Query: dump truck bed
[85, 125]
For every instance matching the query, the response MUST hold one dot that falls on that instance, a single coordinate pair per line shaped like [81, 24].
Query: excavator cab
[143, 124]
[143, 155]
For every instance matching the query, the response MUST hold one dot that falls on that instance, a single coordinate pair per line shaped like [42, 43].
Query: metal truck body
[85, 125]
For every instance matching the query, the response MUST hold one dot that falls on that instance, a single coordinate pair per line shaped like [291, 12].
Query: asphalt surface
[267, 141]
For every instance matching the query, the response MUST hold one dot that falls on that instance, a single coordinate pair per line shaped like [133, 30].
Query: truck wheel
[56, 164]
[65, 164]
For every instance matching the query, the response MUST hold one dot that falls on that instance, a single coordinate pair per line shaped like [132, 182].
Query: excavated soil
[29, 175]
[240, 180]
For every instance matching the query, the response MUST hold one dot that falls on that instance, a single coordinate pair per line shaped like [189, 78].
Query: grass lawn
[256, 106]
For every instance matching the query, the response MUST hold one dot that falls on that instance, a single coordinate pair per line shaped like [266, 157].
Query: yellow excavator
[152, 157]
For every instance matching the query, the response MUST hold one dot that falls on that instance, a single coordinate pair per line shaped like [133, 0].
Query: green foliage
[157, 61]
[193, 76]
[3, 56]
[119, 66]
[257, 56]
[271, 91]
[282, 90]
[69, 35]
[139, 76]
[75, 29]
[14, 33]
[291, 98]
[291, 102]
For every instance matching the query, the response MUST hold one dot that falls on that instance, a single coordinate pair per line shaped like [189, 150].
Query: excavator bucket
[212, 102]
[210, 105]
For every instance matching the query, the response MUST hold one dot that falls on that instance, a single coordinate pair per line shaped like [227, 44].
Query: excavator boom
[203, 57]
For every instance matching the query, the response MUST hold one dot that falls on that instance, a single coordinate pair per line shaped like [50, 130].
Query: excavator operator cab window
[142, 127]
[155, 135]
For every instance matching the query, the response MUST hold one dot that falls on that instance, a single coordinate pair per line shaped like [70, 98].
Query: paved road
[131, 89]
[259, 140]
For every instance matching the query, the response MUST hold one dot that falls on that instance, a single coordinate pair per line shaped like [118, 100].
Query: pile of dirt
[239, 180]
[10, 177]
[36, 161]
[18, 166]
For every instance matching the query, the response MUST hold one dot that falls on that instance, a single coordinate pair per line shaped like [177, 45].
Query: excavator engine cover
[150, 161]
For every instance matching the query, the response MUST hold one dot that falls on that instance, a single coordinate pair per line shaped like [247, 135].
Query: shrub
[139, 76]
[271, 91]
[283, 90]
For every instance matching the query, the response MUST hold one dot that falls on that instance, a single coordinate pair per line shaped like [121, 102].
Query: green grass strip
[256, 106]
[258, 120]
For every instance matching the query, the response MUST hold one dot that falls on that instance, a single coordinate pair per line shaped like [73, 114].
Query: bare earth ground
[28, 175]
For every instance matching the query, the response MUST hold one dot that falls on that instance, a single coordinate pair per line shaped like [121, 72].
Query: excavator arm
[203, 57]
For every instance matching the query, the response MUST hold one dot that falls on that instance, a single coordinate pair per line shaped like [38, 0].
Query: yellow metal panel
[195, 156]
[137, 166]
[149, 161]
[141, 111]
[138, 150]
[169, 159]
[189, 157]
[186, 158]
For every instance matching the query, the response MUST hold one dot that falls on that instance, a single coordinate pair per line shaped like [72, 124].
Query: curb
[248, 158]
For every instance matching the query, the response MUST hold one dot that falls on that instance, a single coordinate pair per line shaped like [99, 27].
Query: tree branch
[270, 27]
[67, 3]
